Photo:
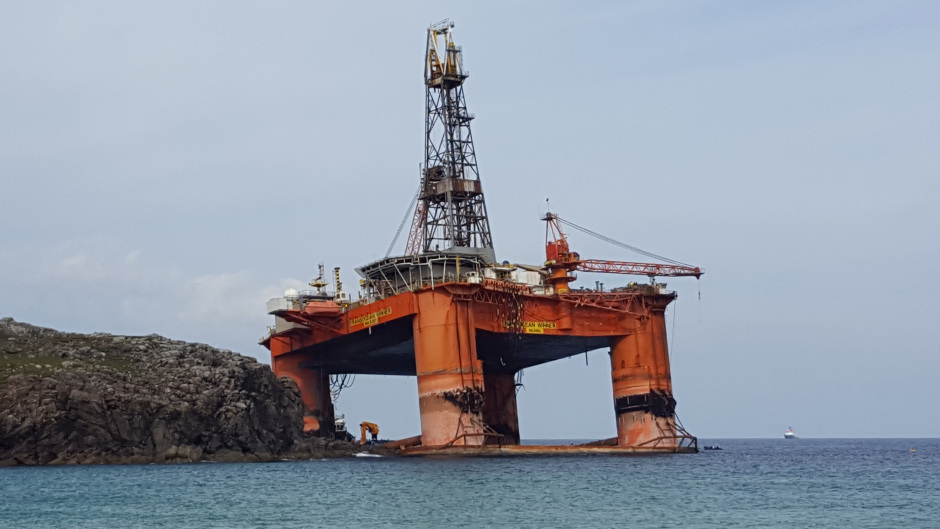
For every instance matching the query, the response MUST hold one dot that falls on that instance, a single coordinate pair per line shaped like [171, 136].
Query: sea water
[749, 483]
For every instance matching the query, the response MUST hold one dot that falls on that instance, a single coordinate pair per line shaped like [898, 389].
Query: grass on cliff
[44, 355]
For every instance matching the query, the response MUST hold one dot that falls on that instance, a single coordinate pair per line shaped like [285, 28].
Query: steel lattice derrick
[451, 213]
[416, 234]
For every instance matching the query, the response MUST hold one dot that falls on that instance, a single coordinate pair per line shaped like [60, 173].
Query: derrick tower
[450, 215]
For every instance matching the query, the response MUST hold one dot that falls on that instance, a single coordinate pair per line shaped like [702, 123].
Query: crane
[560, 260]
[372, 428]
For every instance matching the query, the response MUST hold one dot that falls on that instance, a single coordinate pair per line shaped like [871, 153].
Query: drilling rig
[447, 313]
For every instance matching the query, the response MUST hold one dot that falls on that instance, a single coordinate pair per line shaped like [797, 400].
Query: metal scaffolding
[450, 215]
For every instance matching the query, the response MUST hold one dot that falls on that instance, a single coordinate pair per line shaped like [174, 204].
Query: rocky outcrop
[74, 398]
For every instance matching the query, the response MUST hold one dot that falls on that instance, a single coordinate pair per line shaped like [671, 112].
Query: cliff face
[74, 398]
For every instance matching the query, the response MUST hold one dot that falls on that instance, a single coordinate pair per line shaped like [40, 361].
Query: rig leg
[662, 375]
[499, 407]
[642, 386]
[314, 391]
[450, 376]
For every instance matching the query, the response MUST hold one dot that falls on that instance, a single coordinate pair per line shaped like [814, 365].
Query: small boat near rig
[465, 324]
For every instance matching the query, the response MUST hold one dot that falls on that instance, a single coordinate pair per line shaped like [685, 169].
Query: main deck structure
[465, 332]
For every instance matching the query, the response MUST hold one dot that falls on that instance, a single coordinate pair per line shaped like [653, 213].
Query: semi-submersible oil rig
[465, 325]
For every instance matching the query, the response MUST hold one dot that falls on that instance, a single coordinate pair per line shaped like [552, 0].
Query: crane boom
[560, 260]
[647, 269]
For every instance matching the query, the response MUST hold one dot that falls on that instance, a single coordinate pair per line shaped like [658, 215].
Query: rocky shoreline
[69, 398]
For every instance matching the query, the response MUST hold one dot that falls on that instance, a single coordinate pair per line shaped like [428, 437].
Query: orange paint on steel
[314, 386]
[280, 344]
[450, 376]
[315, 330]
[382, 311]
[642, 392]
[662, 375]
[568, 318]
[322, 308]
[560, 279]
[457, 399]
[323, 325]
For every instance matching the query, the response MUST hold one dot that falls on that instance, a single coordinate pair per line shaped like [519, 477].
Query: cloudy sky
[169, 166]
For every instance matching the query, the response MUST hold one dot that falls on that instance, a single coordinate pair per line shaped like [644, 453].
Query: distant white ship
[789, 434]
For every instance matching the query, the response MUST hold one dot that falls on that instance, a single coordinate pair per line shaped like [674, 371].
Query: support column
[499, 407]
[314, 387]
[642, 386]
[662, 375]
[450, 376]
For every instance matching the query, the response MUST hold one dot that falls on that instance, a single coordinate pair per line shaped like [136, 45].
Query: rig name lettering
[531, 327]
[368, 320]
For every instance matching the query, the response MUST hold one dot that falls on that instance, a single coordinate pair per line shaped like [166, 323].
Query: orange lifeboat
[322, 308]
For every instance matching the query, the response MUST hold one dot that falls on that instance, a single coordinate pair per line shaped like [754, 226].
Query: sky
[167, 167]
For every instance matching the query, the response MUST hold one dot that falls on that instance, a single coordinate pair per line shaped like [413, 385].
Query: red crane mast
[560, 260]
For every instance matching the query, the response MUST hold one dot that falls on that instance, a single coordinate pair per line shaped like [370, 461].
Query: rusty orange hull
[465, 342]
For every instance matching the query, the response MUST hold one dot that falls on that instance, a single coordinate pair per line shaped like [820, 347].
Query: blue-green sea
[750, 483]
